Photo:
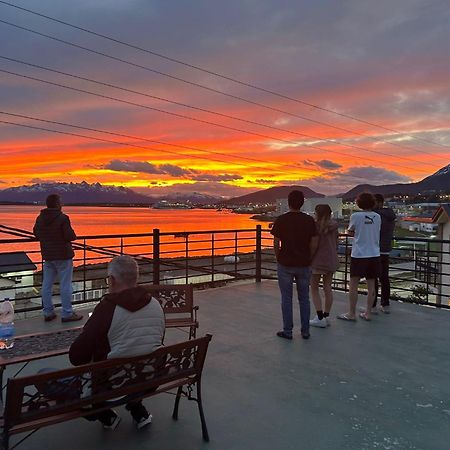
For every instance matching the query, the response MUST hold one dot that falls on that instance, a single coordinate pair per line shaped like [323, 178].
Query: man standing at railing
[55, 235]
[386, 235]
[295, 242]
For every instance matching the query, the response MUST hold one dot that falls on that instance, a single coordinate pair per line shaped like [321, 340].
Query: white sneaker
[143, 422]
[316, 322]
[328, 321]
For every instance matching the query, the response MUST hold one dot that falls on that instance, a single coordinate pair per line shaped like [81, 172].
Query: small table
[31, 347]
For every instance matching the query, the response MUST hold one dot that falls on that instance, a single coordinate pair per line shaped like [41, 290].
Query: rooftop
[359, 385]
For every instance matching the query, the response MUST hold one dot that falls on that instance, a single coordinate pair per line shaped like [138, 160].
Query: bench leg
[177, 402]
[5, 441]
[200, 410]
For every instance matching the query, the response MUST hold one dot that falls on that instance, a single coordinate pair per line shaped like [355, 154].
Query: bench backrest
[173, 298]
[42, 398]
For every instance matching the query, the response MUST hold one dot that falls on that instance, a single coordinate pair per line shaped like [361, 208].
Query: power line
[334, 142]
[200, 120]
[220, 75]
[146, 140]
[106, 55]
[22, 116]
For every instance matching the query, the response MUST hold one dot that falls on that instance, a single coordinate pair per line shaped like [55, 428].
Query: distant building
[310, 204]
[424, 224]
[16, 275]
[441, 218]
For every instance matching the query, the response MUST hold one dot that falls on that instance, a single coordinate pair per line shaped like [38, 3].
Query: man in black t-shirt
[295, 242]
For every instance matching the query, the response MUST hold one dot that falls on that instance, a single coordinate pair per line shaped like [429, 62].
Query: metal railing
[419, 267]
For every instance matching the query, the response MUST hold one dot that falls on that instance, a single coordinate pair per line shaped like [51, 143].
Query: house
[16, 275]
[424, 224]
[311, 203]
[442, 220]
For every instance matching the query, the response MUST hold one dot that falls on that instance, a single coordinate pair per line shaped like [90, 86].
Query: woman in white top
[364, 226]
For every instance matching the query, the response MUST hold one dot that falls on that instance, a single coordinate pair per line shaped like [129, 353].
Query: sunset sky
[384, 62]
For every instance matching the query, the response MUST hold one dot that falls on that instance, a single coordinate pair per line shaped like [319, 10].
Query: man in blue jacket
[55, 235]
[386, 235]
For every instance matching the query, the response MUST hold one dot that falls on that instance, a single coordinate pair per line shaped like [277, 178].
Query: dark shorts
[368, 268]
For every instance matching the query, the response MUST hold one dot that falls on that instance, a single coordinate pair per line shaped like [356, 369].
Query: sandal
[364, 317]
[346, 317]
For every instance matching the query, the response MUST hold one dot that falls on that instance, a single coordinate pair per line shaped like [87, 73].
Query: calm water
[98, 220]
[88, 221]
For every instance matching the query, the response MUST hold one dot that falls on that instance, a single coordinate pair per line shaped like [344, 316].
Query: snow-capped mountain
[73, 193]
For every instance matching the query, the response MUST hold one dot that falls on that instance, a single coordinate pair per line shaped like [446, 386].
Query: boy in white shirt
[364, 226]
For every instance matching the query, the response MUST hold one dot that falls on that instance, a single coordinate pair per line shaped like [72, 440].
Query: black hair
[379, 198]
[53, 201]
[365, 200]
[296, 199]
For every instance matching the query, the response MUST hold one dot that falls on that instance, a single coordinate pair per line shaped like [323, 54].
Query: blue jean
[286, 277]
[62, 268]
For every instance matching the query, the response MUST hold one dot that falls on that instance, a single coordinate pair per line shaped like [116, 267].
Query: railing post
[84, 270]
[186, 255]
[212, 257]
[235, 253]
[258, 254]
[156, 258]
[428, 273]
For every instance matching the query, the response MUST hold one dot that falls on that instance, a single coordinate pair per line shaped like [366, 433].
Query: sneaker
[372, 311]
[328, 321]
[72, 318]
[316, 322]
[143, 422]
[385, 309]
[50, 317]
[113, 422]
[283, 335]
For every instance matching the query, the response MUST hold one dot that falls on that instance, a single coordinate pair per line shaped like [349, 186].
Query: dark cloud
[376, 175]
[265, 181]
[219, 178]
[323, 164]
[329, 165]
[146, 167]
[40, 180]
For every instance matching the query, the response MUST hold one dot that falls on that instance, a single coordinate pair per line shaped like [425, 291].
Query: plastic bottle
[7, 329]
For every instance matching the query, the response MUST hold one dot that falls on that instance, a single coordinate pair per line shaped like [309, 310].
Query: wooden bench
[177, 302]
[89, 389]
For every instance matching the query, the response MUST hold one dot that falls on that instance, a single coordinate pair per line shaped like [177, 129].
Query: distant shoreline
[96, 205]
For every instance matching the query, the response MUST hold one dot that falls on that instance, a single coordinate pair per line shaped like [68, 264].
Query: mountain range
[96, 193]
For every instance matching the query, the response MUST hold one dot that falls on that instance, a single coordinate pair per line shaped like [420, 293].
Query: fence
[419, 267]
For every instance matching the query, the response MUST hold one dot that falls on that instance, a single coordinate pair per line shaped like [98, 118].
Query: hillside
[271, 195]
[439, 181]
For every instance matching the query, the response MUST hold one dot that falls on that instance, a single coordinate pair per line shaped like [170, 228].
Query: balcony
[382, 384]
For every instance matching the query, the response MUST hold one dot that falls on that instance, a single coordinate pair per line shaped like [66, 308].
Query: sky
[347, 92]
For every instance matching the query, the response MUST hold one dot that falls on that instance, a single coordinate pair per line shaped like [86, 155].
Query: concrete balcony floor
[378, 385]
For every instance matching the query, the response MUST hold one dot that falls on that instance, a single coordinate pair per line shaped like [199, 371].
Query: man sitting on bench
[127, 322]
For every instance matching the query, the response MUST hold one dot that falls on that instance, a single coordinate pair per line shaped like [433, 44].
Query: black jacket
[387, 228]
[55, 234]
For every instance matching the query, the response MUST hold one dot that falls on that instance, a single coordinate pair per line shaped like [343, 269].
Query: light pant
[62, 268]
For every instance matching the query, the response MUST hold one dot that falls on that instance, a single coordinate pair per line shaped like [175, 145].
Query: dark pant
[136, 409]
[384, 281]
[66, 389]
